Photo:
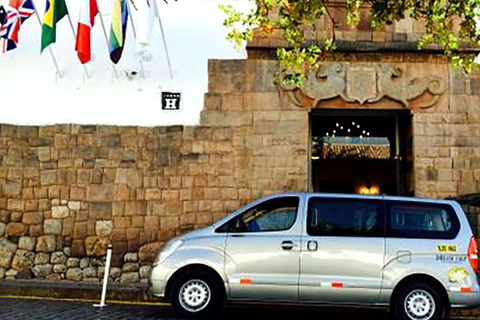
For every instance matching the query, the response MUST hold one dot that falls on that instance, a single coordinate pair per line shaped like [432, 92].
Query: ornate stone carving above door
[364, 84]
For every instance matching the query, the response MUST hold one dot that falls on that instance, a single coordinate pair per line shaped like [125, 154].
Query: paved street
[16, 309]
[21, 309]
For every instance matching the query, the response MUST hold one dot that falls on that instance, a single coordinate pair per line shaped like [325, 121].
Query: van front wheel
[196, 294]
[418, 301]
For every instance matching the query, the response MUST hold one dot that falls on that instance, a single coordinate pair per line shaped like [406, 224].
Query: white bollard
[105, 278]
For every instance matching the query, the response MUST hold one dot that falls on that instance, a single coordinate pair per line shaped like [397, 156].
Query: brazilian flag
[55, 10]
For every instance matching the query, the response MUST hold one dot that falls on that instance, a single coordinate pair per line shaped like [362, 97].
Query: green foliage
[450, 24]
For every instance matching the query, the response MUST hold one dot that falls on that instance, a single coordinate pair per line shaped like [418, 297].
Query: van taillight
[473, 254]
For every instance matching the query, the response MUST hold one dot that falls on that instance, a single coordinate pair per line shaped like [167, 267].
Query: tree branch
[330, 17]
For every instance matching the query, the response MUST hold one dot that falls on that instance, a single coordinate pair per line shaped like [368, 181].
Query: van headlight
[170, 248]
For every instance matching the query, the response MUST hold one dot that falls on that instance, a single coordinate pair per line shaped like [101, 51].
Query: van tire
[417, 301]
[196, 294]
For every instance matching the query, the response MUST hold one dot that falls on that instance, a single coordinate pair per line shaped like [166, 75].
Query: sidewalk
[75, 290]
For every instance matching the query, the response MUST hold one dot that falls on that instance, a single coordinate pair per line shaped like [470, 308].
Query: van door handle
[237, 235]
[287, 245]
[312, 245]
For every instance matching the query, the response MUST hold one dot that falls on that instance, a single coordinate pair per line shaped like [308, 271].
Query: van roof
[360, 196]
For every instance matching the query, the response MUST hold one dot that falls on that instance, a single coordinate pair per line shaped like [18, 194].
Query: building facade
[378, 116]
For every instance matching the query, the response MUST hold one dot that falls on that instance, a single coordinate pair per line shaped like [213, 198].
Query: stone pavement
[24, 309]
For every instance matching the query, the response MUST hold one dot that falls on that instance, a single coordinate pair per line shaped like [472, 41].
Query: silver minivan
[417, 257]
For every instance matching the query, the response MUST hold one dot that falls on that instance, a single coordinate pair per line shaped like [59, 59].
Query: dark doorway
[361, 151]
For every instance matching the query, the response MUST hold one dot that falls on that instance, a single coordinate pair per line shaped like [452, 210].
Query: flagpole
[59, 73]
[163, 37]
[106, 37]
[130, 15]
[75, 38]
[131, 19]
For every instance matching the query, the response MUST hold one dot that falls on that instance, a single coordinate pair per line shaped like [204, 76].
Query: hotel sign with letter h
[170, 101]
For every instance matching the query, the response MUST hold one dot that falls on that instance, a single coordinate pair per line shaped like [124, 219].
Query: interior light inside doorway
[368, 188]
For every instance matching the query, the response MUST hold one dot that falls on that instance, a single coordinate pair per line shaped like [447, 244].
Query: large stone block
[80, 230]
[46, 244]
[32, 218]
[145, 271]
[101, 192]
[5, 258]
[148, 252]
[48, 177]
[27, 243]
[221, 118]
[131, 257]
[42, 258]
[16, 229]
[58, 258]
[101, 210]
[96, 246]
[74, 274]
[35, 230]
[15, 204]
[23, 260]
[60, 212]
[59, 268]
[104, 228]
[68, 225]
[90, 272]
[130, 277]
[74, 205]
[12, 187]
[131, 267]
[11, 274]
[42, 270]
[73, 262]
[78, 248]
[52, 226]
[4, 216]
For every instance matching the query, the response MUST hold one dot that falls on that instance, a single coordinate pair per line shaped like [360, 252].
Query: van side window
[422, 220]
[272, 215]
[345, 218]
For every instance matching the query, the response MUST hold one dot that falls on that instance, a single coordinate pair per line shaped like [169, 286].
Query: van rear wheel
[196, 294]
[418, 301]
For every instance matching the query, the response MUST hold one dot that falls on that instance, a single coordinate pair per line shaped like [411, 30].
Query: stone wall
[67, 191]
[447, 153]
[399, 36]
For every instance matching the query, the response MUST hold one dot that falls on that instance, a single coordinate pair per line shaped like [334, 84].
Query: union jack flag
[18, 12]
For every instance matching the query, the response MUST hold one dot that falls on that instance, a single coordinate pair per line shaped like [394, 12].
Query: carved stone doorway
[361, 151]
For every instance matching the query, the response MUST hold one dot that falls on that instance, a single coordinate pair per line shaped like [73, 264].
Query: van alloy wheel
[194, 295]
[197, 293]
[419, 305]
[418, 300]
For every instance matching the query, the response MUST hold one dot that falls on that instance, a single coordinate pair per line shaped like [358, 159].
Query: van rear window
[421, 220]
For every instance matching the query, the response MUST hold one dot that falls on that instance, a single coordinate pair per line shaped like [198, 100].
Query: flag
[147, 15]
[88, 11]
[18, 12]
[55, 10]
[118, 30]
[9, 31]
[25, 8]
[3, 16]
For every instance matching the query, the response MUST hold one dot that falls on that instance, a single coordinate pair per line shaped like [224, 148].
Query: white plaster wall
[30, 92]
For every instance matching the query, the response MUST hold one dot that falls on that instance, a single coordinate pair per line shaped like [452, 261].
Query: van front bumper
[158, 280]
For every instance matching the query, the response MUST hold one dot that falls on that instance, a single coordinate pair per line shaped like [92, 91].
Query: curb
[137, 292]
